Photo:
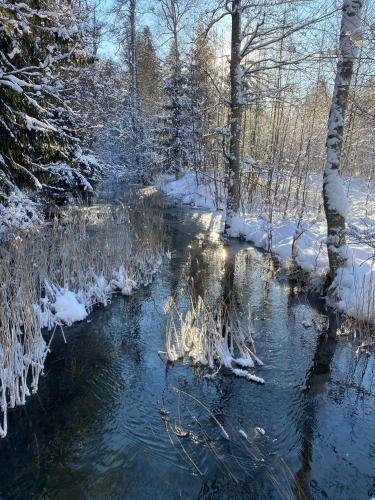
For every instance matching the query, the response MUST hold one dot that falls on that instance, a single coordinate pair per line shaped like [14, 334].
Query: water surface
[111, 417]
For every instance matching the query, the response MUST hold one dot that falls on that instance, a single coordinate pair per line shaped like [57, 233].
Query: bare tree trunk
[234, 161]
[335, 201]
[132, 50]
[137, 130]
[176, 49]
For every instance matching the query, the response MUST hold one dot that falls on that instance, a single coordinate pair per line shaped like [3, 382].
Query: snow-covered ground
[295, 242]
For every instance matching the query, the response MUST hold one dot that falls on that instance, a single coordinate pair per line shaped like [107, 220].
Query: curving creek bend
[112, 419]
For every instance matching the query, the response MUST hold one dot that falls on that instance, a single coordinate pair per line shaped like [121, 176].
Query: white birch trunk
[335, 200]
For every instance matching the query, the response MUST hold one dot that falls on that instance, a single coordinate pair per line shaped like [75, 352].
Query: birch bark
[335, 199]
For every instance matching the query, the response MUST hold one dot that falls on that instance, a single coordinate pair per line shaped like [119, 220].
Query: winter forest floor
[298, 240]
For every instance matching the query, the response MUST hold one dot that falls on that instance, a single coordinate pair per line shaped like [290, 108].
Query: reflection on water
[112, 420]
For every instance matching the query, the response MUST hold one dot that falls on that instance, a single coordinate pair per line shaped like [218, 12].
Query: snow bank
[302, 243]
[201, 195]
[62, 306]
[67, 308]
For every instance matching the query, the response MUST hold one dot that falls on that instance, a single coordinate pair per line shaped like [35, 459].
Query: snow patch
[67, 308]
[336, 196]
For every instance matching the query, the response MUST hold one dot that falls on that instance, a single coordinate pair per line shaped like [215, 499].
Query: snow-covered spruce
[179, 124]
[40, 147]
[56, 275]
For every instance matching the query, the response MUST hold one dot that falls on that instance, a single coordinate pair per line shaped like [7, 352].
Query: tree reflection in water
[316, 380]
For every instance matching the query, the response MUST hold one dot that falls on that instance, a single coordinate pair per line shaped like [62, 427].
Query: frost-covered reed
[214, 339]
[54, 276]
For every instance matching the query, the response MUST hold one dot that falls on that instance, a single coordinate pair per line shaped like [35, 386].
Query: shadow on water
[95, 429]
[316, 380]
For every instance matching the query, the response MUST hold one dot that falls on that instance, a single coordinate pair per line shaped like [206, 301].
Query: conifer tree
[149, 72]
[178, 127]
[201, 76]
[39, 147]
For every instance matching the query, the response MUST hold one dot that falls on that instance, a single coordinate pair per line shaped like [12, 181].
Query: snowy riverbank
[54, 276]
[294, 242]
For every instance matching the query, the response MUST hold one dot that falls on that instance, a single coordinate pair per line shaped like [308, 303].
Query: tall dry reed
[90, 252]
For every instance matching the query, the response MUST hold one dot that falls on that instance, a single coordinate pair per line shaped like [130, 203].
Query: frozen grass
[213, 339]
[55, 276]
[292, 226]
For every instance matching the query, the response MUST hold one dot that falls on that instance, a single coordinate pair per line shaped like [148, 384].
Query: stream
[113, 420]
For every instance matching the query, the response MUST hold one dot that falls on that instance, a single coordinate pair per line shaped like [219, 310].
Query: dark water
[95, 429]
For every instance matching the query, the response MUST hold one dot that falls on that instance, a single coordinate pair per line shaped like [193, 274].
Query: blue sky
[108, 48]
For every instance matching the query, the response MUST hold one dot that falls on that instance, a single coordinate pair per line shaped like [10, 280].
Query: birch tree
[254, 32]
[173, 15]
[335, 200]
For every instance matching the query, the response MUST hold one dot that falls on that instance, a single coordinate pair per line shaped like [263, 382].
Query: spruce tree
[39, 147]
[178, 122]
[149, 72]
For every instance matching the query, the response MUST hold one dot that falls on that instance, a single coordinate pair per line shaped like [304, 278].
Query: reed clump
[212, 338]
[55, 275]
